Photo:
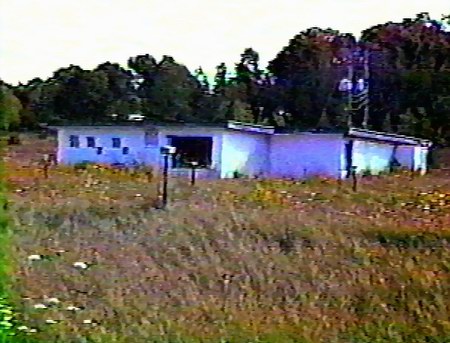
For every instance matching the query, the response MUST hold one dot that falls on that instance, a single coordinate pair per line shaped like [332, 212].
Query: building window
[116, 143]
[99, 150]
[151, 138]
[125, 150]
[74, 141]
[191, 149]
[90, 142]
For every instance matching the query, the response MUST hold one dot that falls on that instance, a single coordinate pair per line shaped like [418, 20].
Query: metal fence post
[165, 180]
[354, 179]
[194, 166]
[166, 151]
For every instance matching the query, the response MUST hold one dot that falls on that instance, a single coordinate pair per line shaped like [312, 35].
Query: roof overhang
[246, 127]
[95, 127]
[133, 126]
[387, 137]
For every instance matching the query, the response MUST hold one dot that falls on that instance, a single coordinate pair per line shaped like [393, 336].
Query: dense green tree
[144, 65]
[122, 95]
[220, 79]
[168, 90]
[240, 111]
[230, 96]
[71, 94]
[411, 85]
[10, 107]
[81, 95]
[207, 106]
[306, 76]
[203, 81]
[28, 117]
[210, 108]
[42, 101]
[248, 68]
[237, 105]
[212, 105]
[249, 74]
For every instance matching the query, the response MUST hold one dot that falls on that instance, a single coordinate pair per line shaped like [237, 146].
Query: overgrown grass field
[230, 260]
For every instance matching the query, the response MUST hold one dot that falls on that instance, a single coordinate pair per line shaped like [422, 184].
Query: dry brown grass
[280, 260]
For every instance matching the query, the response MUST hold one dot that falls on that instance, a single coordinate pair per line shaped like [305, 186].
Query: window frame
[74, 141]
[115, 139]
[88, 139]
[151, 138]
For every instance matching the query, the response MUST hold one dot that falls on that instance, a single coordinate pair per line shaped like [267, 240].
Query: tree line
[409, 86]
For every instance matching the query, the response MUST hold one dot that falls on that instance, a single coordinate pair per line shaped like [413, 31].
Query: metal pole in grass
[194, 166]
[354, 179]
[45, 165]
[165, 180]
[166, 151]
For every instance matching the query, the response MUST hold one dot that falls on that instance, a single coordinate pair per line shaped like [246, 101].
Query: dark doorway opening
[191, 149]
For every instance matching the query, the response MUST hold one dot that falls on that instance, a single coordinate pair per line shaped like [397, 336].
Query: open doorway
[191, 149]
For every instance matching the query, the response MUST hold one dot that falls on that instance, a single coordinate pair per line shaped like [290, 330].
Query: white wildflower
[53, 300]
[40, 306]
[34, 257]
[73, 308]
[80, 265]
[22, 328]
[32, 331]
[89, 321]
[50, 321]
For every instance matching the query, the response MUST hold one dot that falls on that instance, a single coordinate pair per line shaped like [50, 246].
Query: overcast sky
[39, 37]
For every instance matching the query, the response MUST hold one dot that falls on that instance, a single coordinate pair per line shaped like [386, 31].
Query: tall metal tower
[356, 85]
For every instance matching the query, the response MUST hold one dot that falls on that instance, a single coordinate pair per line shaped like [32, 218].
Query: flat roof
[352, 132]
[232, 125]
[135, 125]
[387, 137]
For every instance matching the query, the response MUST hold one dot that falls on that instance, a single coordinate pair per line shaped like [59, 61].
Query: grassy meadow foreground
[231, 260]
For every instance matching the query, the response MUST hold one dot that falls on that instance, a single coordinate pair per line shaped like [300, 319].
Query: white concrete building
[245, 149]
